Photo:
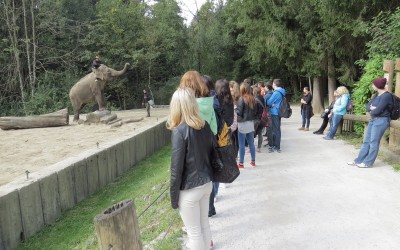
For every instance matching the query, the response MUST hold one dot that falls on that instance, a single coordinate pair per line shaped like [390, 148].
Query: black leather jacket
[244, 112]
[191, 159]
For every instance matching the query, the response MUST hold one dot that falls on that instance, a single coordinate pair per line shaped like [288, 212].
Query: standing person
[145, 102]
[306, 109]
[260, 104]
[193, 80]
[235, 92]
[246, 112]
[95, 66]
[192, 147]
[226, 113]
[274, 102]
[338, 111]
[326, 118]
[379, 108]
[268, 130]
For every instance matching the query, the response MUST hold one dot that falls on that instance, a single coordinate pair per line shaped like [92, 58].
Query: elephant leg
[100, 100]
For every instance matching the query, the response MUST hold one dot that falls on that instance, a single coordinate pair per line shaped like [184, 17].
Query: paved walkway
[308, 198]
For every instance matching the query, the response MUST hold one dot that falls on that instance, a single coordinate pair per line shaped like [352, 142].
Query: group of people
[198, 112]
[379, 108]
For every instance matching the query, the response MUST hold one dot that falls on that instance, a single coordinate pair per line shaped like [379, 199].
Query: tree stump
[56, 119]
[118, 228]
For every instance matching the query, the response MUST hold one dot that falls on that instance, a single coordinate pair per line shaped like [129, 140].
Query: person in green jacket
[192, 79]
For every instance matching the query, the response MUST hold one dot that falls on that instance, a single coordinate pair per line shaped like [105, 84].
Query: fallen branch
[133, 120]
[115, 125]
[112, 122]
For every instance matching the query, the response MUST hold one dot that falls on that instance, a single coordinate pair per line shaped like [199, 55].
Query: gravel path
[308, 198]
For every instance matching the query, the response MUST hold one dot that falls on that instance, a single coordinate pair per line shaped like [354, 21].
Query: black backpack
[395, 113]
[284, 110]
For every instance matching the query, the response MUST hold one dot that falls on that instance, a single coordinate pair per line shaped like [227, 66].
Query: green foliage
[162, 96]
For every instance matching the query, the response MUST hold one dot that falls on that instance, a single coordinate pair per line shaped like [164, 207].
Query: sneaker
[240, 165]
[362, 165]
[301, 128]
[271, 149]
[327, 138]
[306, 129]
[211, 244]
[318, 132]
[211, 214]
[278, 150]
[352, 163]
[253, 164]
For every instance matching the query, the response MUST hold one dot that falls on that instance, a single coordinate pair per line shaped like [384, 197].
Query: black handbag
[223, 162]
[224, 165]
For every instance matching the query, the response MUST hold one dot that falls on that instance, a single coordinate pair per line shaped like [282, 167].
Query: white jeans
[193, 208]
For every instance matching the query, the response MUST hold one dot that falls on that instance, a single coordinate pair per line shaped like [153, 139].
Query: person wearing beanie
[379, 108]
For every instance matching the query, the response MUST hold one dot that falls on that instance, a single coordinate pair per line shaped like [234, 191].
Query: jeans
[216, 187]
[370, 147]
[305, 114]
[336, 119]
[249, 137]
[258, 133]
[193, 208]
[276, 131]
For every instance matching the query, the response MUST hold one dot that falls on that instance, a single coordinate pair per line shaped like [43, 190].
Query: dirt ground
[36, 149]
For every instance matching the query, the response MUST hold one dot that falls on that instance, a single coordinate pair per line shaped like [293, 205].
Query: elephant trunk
[120, 72]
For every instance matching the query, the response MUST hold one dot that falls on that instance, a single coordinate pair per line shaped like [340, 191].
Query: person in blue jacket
[338, 111]
[274, 102]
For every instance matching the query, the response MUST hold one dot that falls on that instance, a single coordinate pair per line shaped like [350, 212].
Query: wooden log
[118, 228]
[118, 124]
[108, 118]
[114, 121]
[55, 119]
[133, 120]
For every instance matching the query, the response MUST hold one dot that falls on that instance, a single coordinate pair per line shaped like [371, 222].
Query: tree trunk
[56, 119]
[34, 42]
[331, 78]
[118, 227]
[317, 104]
[28, 50]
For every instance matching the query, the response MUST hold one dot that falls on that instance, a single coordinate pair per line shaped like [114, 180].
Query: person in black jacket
[326, 118]
[246, 112]
[306, 109]
[193, 143]
[260, 104]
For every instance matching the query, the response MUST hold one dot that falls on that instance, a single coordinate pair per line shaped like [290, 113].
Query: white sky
[189, 8]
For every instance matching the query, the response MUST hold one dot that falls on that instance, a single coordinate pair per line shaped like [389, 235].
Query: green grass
[143, 184]
[350, 137]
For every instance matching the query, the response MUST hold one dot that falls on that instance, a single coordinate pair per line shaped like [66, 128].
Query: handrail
[367, 118]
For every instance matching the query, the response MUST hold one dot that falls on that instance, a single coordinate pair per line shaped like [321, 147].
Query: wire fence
[164, 190]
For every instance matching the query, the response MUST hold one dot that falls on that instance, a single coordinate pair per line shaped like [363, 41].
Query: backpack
[284, 110]
[350, 106]
[395, 113]
[265, 119]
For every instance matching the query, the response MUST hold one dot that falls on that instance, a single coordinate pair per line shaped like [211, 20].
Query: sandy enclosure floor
[36, 149]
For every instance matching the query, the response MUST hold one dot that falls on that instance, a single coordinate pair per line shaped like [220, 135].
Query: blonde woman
[338, 111]
[192, 147]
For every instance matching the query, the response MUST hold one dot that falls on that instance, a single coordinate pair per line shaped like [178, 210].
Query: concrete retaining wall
[27, 205]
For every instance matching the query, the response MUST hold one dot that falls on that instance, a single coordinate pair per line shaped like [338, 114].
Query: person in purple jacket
[379, 108]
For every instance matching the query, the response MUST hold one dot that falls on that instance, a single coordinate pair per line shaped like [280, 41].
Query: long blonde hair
[192, 79]
[184, 109]
[245, 92]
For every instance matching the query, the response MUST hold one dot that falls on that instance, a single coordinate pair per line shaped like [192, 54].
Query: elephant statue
[92, 86]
